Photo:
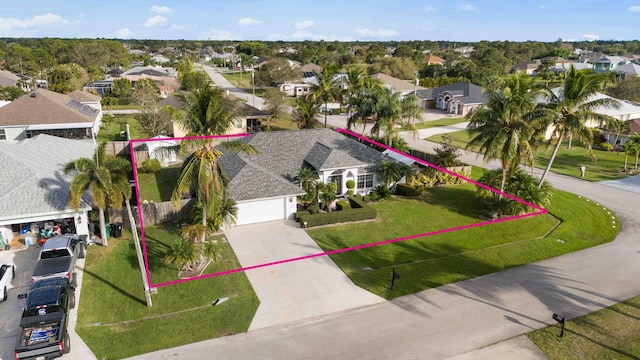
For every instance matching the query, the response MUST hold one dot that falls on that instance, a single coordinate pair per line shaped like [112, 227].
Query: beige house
[398, 85]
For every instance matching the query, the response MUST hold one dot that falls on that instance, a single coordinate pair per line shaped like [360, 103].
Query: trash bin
[116, 229]
[108, 231]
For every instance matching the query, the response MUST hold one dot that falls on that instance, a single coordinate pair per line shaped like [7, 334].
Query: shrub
[297, 214]
[350, 192]
[351, 184]
[407, 190]
[606, 146]
[381, 192]
[313, 209]
[359, 211]
[343, 205]
[150, 166]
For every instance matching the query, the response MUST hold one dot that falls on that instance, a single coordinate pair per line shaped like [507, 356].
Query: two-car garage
[261, 210]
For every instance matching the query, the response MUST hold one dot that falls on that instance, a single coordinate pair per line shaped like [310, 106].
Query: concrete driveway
[295, 290]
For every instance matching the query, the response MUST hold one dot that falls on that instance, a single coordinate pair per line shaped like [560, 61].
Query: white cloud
[305, 35]
[304, 24]
[156, 20]
[591, 37]
[124, 33]
[430, 9]
[161, 9]
[634, 8]
[177, 27]
[466, 7]
[247, 21]
[215, 34]
[380, 33]
[8, 24]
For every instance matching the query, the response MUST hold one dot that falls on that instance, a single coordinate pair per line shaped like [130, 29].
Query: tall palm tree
[326, 90]
[305, 113]
[572, 106]
[91, 175]
[507, 127]
[390, 111]
[363, 103]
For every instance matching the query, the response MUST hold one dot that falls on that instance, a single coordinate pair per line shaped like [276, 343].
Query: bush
[381, 192]
[606, 146]
[359, 211]
[150, 166]
[297, 214]
[407, 190]
[351, 184]
[350, 192]
[343, 205]
[313, 209]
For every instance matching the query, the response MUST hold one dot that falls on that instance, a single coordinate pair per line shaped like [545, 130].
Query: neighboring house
[298, 90]
[7, 78]
[250, 119]
[309, 70]
[557, 69]
[628, 69]
[630, 127]
[608, 63]
[101, 87]
[263, 184]
[158, 71]
[402, 86]
[74, 116]
[431, 59]
[465, 50]
[37, 190]
[160, 59]
[459, 98]
[528, 67]
[158, 142]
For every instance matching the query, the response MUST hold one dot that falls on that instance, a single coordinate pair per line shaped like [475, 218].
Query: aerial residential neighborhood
[258, 193]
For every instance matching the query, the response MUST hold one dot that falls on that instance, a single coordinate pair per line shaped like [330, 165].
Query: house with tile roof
[37, 189]
[431, 59]
[630, 127]
[398, 85]
[263, 184]
[74, 116]
[459, 98]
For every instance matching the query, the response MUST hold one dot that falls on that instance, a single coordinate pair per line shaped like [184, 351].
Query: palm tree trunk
[136, 240]
[504, 179]
[103, 229]
[553, 156]
[626, 155]
[570, 140]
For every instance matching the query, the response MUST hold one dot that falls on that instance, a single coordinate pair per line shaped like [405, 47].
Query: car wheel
[4, 294]
[72, 301]
[67, 343]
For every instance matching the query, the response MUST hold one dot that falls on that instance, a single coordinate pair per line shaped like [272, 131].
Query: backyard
[607, 165]
[113, 309]
[111, 130]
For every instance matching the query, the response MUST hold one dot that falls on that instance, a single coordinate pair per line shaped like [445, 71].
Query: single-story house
[263, 184]
[608, 63]
[77, 115]
[459, 98]
[630, 127]
[431, 59]
[36, 190]
[398, 85]
[628, 69]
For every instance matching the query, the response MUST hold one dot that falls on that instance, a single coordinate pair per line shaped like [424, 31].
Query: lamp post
[253, 86]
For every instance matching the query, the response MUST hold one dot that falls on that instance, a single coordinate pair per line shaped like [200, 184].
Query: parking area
[294, 290]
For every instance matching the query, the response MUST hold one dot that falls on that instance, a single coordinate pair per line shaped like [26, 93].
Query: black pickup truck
[43, 326]
[58, 258]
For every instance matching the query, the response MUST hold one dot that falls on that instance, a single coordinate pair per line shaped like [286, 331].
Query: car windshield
[41, 311]
[52, 254]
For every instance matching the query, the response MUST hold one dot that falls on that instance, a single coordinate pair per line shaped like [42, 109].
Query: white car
[7, 273]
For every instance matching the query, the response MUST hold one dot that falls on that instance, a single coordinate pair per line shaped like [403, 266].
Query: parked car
[58, 258]
[7, 273]
[43, 326]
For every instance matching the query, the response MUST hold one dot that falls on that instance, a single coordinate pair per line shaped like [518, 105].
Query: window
[365, 181]
[238, 123]
[3, 135]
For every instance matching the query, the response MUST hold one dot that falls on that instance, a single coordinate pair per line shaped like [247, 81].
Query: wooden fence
[154, 213]
[114, 148]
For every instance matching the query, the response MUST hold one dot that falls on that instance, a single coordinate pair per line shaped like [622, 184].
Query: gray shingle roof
[470, 93]
[281, 154]
[36, 183]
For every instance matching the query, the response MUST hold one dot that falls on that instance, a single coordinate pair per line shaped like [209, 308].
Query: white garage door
[260, 211]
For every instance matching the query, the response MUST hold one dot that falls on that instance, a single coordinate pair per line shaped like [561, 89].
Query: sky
[329, 20]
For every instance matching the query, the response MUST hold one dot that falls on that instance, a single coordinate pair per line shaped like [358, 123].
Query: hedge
[297, 214]
[343, 205]
[359, 211]
[406, 190]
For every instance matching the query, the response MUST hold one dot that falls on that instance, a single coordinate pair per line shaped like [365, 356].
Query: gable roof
[7, 78]
[464, 92]
[46, 107]
[432, 59]
[281, 154]
[610, 60]
[83, 96]
[626, 108]
[37, 184]
[628, 68]
[397, 84]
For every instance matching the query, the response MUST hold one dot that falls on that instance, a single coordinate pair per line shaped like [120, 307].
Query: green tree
[326, 89]
[10, 93]
[401, 68]
[572, 106]
[275, 103]
[519, 184]
[507, 127]
[305, 113]
[152, 119]
[390, 172]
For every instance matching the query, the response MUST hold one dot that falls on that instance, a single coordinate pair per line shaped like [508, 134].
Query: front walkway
[294, 290]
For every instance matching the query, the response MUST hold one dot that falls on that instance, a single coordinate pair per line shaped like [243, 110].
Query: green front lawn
[607, 165]
[111, 131]
[158, 187]
[611, 333]
[242, 82]
[433, 261]
[440, 122]
[113, 318]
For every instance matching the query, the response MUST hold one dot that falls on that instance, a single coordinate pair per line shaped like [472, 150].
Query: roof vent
[33, 94]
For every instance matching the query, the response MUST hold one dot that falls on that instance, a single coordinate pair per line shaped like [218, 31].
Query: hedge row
[406, 190]
[359, 211]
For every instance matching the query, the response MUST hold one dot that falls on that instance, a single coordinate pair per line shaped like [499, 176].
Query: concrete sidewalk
[296, 290]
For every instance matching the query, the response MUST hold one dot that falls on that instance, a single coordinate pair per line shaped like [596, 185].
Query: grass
[437, 260]
[611, 333]
[111, 131]
[237, 81]
[440, 122]
[158, 186]
[113, 318]
[607, 165]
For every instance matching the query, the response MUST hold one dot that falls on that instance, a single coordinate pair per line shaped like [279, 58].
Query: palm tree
[183, 253]
[391, 171]
[632, 147]
[326, 90]
[92, 175]
[507, 127]
[573, 106]
[519, 184]
[305, 113]
[363, 101]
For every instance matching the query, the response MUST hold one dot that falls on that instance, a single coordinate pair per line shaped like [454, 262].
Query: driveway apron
[294, 290]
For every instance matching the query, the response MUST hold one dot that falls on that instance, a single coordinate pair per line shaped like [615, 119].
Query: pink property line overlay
[337, 251]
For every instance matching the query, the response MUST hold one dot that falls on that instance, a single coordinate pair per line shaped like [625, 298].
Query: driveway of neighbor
[295, 290]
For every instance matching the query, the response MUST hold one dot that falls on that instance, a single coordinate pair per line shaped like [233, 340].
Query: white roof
[32, 182]
[399, 157]
[626, 108]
